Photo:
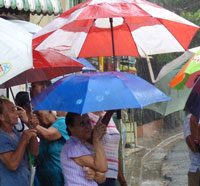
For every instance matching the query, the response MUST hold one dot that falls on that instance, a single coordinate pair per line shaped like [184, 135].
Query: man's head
[78, 126]
[22, 99]
[38, 87]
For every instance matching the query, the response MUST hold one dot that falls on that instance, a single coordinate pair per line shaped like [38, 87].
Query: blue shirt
[22, 175]
[194, 156]
[49, 155]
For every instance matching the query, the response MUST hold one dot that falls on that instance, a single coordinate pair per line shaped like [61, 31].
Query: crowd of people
[56, 148]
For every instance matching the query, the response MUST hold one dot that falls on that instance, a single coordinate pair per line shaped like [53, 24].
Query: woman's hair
[70, 120]
[2, 102]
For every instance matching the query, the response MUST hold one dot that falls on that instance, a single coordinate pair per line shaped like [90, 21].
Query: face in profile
[46, 118]
[82, 127]
[37, 88]
[9, 115]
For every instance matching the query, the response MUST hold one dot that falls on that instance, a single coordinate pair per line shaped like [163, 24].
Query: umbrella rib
[85, 97]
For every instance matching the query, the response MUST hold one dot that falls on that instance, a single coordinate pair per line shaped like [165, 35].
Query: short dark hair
[22, 99]
[69, 120]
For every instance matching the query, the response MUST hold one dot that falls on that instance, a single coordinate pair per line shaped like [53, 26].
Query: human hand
[191, 144]
[33, 121]
[28, 134]
[22, 114]
[99, 131]
[89, 173]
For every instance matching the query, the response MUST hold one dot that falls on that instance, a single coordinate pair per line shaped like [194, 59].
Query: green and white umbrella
[178, 97]
[188, 73]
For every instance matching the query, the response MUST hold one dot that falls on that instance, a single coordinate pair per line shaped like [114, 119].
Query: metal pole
[119, 118]
[121, 144]
[150, 69]
[113, 46]
[12, 94]
[7, 92]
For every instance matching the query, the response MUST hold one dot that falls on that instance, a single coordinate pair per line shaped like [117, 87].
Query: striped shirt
[111, 144]
[74, 174]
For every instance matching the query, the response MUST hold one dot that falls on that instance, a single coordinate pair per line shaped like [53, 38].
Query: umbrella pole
[119, 118]
[12, 94]
[7, 92]
[113, 45]
[150, 69]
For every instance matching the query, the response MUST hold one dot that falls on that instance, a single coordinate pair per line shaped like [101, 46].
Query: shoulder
[59, 121]
[74, 148]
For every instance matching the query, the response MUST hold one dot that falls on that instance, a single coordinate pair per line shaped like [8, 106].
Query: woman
[53, 135]
[77, 155]
[14, 169]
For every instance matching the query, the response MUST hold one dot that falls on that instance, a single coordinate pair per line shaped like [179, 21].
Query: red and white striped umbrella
[116, 27]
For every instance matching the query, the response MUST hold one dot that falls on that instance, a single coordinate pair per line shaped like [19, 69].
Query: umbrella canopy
[89, 92]
[188, 74]
[116, 28]
[45, 68]
[178, 97]
[19, 64]
[15, 47]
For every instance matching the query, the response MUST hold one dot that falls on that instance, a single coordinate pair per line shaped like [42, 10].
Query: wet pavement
[157, 160]
[175, 165]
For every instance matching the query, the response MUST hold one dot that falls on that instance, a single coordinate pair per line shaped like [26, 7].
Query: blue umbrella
[90, 92]
[87, 65]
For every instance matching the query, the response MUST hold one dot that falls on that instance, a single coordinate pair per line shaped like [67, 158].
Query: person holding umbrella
[78, 156]
[53, 135]
[14, 146]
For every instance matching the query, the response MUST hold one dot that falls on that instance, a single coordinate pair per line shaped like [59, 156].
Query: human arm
[50, 134]
[187, 134]
[12, 158]
[191, 144]
[97, 162]
[31, 122]
[33, 145]
[90, 174]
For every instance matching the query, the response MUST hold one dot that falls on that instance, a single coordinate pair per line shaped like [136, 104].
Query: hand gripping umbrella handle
[106, 118]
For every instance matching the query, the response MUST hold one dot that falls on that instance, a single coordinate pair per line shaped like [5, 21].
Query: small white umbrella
[15, 47]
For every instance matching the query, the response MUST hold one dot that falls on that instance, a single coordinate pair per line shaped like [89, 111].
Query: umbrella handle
[22, 128]
[106, 118]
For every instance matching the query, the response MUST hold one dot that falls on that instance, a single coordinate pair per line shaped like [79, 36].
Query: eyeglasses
[84, 123]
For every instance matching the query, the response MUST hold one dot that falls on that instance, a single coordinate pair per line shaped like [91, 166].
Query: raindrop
[99, 98]
[107, 92]
[79, 101]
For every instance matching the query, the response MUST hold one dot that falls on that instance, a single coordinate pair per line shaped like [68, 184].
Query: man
[14, 169]
[191, 133]
[37, 87]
